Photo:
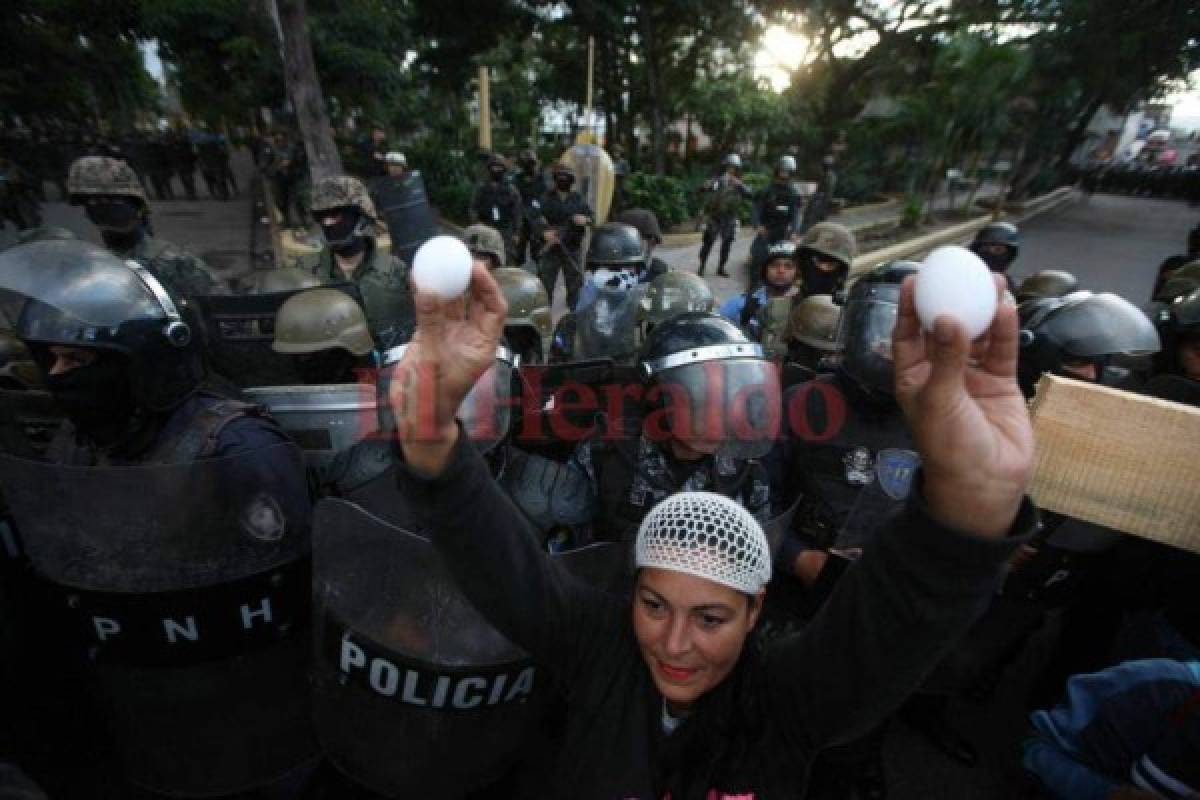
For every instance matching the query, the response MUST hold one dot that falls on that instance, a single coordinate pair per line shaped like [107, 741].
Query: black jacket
[894, 615]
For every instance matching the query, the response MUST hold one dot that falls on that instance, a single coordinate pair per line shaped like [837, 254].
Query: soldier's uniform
[557, 209]
[531, 183]
[181, 272]
[721, 212]
[497, 204]
[381, 278]
[777, 209]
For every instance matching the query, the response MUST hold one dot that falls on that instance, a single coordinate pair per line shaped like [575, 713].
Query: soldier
[497, 203]
[826, 254]
[776, 212]
[114, 201]
[998, 244]
[646, 223]
[777, 280]
[604, 324]
[721, 211]
[1046, 283]
[159, 163]
[183, 158]
[531, 183]
[813, 333]
[561, 222]
[528, 326]
[327, 333]
[1179, 329]
[178, 500]
[486, 245]
[349, 223]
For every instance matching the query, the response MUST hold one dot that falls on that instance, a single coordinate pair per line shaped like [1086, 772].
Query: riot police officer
[115, 202]
[486, 244]
[998, 245]
[813, 333]
[776, 211]
[184, 512]
[326, 331]
[604, 324]
[777, 281]
[721, 211]
[561, 221]
[531, 183]
[349, 225]
[671, 294]
[826, 254]
[1046, 283]
[646, 222]
[497, 203]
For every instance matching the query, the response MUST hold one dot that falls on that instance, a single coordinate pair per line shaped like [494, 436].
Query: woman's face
[691, 631]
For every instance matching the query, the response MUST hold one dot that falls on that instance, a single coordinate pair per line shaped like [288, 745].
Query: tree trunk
[304, 89]
[650, 51]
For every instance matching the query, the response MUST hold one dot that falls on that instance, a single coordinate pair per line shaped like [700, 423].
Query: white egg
[954, 281]
[442, 265]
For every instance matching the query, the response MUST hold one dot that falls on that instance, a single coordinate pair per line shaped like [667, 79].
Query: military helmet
[1179, 282]
[93, 176]
[487, 240]
[283, 279]
[1047, 283]
[1177, 321]
[321, 319]
[528, 303]
[831, 240]
[674, 293]
[18, 369]
[342, 191]
[395, 157]
[732, 160]
[814, 322]
[644, 220]
[615, 244]
[1081, 326]
[786, 163]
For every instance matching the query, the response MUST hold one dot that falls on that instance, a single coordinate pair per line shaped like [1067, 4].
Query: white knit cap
[706, 535]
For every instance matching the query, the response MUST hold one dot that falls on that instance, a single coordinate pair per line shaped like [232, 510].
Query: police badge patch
[263, 519]
[895, 470]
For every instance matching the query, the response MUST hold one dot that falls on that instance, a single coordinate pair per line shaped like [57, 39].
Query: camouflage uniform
[182, 273]
[381, 278]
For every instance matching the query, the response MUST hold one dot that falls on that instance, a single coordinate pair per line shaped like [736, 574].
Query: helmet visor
[867, 326]
[733, 404]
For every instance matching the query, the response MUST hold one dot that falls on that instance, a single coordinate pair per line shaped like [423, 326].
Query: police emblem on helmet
[895, 470]
[263, 519]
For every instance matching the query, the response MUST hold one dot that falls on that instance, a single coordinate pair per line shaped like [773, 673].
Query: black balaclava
[564, 182]
[816, 280]
[327, 366]
[497, 172]
[997, 262]
[120, 220]
[342, 236]
[97, 397]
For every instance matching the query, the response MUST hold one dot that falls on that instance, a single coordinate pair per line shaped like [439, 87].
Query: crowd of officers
[119, 339]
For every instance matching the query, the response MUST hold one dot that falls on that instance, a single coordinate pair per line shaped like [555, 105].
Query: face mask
[327, 366]
[95, 397]
[614, 279]
[117, 215]
[341, 232]
[563, 184]
[497, 173]
[817, 281]
[996, 262]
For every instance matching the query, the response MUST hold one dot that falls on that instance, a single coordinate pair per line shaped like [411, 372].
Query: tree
[304, 88]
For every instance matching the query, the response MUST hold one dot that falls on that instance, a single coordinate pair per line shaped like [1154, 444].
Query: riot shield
[185, 586]
[240, 330]
[608, 328]
[414, 693]
[594, 175]
[323, 420]
[406, 210]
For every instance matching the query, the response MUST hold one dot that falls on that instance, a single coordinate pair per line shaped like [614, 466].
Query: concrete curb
[674, 241]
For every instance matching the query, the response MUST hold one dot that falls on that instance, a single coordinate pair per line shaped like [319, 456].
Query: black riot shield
[406, 210]
[240, 330]
[608, 328]
[414, 693]
[185, 587]
[323, 420]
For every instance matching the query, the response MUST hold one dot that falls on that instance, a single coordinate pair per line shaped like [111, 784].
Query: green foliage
[913, 211]
[449, 177]
[732, 108]
[666, 196]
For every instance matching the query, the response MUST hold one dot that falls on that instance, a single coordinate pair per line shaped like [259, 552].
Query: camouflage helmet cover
[832, 240]
[487, 240]
[93, 176]
[814, 322]
[528, 304]
[342, 191]
[321, 319]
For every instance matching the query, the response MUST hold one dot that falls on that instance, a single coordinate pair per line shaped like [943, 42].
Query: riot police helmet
[1178, 324]
[646, 222]
[786, 165]
[732, 160]
[783, 250]
[617, 246]
[73, 294]
[867, 321]
[997, 244]
[720, 392]
[1075, 335]
[1047, 283]
[674, 293]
